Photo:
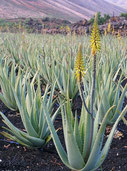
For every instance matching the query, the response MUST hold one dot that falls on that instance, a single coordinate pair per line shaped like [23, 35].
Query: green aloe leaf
[74, 155]
[96, 150]
[56, 140]
[109, 140]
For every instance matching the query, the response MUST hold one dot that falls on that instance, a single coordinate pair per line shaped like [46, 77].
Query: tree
[101, 20]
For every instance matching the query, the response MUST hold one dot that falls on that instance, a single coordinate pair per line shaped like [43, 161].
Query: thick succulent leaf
[18, 87]
[87, 132]
[43, 128]
[96, 150]
[77, 134]
[59, 85]
[106, 147]
[55, 114]
[24, 116]
[64, 79]
[106, 104]
[29, 97]
[120, 104]
[87, 129]
[56, 139]
[12, 75]
[16, 138]
[7, 93]
[15, 131]
[74, 155]
[96, 123]
[36, 142]
[42, 122]
[49, 103]
[82, 118]
[10, 93]
[33, 117]
[7, 103]
[117, 94]
[74, 89]
[45, 96]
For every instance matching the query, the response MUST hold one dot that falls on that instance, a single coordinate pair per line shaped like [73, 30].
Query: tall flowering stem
[95, 47]
[80, 72]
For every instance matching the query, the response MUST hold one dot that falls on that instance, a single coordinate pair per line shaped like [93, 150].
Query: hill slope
[121, 3]
[72, 10]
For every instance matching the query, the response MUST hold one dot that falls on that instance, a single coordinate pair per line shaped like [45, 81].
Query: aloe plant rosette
[76, 136]
[31, 110]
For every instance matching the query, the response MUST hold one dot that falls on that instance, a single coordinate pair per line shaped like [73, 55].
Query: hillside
[121, 3]
[72, 10]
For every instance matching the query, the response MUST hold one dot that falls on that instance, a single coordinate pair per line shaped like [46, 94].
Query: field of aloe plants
[67, 93]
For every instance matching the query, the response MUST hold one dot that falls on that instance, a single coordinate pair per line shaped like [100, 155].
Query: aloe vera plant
[77, 138]
[10, 80]
[31, 110]
[111, 93]
[52, 70]
[66, 73]
[123, 66]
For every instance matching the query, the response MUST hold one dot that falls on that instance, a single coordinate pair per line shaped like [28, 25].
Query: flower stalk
[95, 47]
[80, 72]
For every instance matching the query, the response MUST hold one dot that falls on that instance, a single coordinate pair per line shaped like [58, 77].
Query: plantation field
[39, 89]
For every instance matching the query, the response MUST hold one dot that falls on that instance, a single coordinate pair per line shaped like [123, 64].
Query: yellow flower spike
[105, 32]
[23, 36]
[79, 65]
[20, 26]
[119, 35]
[68, 30]
[95, 38]
[109, 27]
[113, 31]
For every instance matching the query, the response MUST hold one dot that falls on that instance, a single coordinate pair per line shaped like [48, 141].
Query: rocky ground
[58, 26]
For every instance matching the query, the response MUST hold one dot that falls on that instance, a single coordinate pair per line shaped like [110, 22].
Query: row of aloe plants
[102, 101]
